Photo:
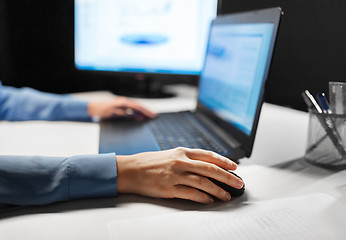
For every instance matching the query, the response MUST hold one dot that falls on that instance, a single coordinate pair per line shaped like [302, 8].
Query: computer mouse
[233, 191]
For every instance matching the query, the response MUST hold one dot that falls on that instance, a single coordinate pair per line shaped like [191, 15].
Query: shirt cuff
[75, 109]
[92, 176]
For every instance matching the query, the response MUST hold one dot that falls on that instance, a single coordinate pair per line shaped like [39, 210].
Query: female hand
[121, 107]
[176, 173]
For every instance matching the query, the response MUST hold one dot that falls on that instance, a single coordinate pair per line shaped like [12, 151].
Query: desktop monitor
[143, 38]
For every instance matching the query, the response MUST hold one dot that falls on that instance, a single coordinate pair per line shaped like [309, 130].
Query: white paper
[315, 216]
[334, 185]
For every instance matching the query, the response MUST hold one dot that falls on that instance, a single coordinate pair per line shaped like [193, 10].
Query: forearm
[42, 180]
[29, 104]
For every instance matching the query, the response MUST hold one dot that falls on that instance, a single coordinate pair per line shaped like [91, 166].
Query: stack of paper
[315, 216]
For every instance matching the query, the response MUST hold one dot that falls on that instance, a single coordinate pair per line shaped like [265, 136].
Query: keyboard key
[181, 129]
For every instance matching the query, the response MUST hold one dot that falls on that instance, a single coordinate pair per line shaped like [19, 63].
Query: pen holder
[326, 140]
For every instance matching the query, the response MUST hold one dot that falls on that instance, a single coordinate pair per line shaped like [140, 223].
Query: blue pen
[322, 100]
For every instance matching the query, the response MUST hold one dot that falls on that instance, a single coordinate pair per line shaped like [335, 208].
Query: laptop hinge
[214, 128]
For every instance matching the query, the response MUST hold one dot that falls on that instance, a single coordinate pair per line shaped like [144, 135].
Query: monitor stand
[144, 87]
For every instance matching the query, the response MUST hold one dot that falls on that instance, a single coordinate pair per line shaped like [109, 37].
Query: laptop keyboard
[173, 130]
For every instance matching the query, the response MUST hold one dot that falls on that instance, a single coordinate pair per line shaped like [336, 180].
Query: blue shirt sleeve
[33, 180]
[28, 104]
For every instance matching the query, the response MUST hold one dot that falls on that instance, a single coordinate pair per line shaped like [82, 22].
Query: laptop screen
[235, 67]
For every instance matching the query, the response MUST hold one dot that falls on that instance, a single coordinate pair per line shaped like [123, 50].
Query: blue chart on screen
[144, 39]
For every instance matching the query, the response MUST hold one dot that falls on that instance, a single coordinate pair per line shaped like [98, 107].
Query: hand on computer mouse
[118, 107]
[177, 173]
[234, 192]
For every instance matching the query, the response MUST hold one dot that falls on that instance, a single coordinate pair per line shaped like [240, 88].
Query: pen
[322, 100]
[325, 122]
[311, 102]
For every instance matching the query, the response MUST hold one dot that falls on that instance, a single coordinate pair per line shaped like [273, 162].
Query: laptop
[230, 94]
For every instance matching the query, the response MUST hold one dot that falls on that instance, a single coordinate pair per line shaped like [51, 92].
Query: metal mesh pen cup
[327, 140]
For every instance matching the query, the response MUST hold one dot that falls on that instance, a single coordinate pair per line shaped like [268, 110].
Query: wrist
[124, 174]
[90, 109]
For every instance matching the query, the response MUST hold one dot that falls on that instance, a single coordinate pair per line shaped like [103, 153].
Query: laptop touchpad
[126, 137]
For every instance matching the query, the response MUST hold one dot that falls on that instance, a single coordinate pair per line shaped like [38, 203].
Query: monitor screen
[235, 66]
[142, 36]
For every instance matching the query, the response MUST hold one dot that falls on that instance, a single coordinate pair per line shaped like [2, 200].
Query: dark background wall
[36, 47]
[39, 45]
[4, 36]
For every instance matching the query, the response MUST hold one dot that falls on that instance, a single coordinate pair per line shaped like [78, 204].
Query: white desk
[275, 170]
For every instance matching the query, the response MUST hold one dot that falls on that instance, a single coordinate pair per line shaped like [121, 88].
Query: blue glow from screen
[149, 36]
[234, 70]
